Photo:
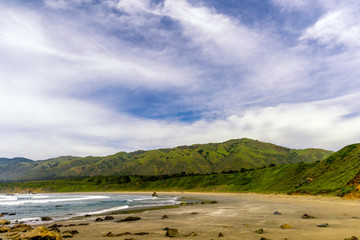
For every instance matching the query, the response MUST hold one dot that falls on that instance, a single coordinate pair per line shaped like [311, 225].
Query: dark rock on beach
[351, 238]
[172, 232]
[46, 218]
[323, 225]
[164, 217]
[307, 216]
[109, 218]
[99, 220]
[155, 194]
[277, 213]
[259, 231]
[220, 235]
[129, 219]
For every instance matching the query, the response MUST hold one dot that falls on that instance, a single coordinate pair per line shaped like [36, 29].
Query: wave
[30, 201]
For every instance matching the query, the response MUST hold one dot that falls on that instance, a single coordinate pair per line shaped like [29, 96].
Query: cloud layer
[84, 77]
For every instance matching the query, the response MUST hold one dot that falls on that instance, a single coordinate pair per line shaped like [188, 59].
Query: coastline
[235, 216]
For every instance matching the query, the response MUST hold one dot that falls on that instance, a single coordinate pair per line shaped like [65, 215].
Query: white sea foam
[31, 201]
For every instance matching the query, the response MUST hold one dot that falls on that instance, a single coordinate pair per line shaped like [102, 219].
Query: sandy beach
[235, 216]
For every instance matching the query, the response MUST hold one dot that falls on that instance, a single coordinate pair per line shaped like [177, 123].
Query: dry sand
[236, 216]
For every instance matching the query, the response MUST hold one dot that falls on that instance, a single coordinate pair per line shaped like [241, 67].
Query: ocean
[29, 208]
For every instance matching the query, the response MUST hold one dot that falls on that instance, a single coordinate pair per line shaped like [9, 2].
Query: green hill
[232, 155]
[338, 174]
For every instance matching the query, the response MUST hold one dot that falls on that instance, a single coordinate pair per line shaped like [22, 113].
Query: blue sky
[86, 77]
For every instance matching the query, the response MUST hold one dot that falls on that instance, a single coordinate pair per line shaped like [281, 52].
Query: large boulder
[129, 219]
[41, 233]
[4, 222]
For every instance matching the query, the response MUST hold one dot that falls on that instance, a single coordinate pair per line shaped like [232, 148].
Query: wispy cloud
[88, 77]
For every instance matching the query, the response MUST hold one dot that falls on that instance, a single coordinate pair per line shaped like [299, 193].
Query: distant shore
[232, 215]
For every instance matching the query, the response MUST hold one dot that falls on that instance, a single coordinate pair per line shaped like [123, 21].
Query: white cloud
[341, 26]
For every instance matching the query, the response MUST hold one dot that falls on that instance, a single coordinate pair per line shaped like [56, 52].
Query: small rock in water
[99, 220]
[155, 194]
[323, 225]
[46, 218]
[285, 226]
[259, 231]
[307, 216]
[351, 238]
[172, 232]
[220, 235]
[12, 214]
[277, 213]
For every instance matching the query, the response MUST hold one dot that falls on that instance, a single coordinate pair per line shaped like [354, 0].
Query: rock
[122, 234]
[56, 225]
[164, 217]
[192, 234]
[213, 202]
[109, 234]
[285, 226]
[4, 213]
[264, 238]
[46, 218]
[194, 213]
[99, 220]
[129, 219]
[12, 214]
[1, 215]
[259, 231]
[21, 228]
[277, 213]
[351, 238]
[67, 235]
[87, 215]
[307, 216]
[41, 233]
[129, 239]
[166, 228]
[5, 229]
[172, 232]
[4, 222]
[109, 218]
[323, 225]
[155, 194]
[141, 233]
[183, 203]
[220, 235]
[72, 232]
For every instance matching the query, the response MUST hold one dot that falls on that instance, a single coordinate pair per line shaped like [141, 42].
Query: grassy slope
[335, 176]
[199, 158]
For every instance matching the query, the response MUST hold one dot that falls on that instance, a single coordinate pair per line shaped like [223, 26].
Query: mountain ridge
[231, 155]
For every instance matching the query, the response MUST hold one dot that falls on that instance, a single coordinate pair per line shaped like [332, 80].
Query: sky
[95, 77]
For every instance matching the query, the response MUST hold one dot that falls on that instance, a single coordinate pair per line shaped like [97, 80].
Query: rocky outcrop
[41, 233]
[4, 222]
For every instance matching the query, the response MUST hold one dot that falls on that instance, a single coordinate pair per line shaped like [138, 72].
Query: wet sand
[236, 216]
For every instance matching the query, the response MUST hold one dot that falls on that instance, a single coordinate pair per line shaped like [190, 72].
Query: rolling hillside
[232, 155]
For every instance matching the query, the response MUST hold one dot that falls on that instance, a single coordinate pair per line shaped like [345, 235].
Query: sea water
[30, 208]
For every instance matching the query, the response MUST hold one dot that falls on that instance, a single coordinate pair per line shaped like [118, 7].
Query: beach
[228, 216]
